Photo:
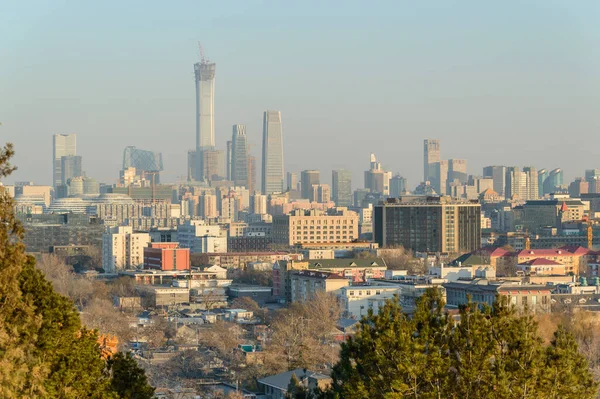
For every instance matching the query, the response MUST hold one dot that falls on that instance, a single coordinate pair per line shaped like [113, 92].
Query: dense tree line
[44, 349]
[492, 352]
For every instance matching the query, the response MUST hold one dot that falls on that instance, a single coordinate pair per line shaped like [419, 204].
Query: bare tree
[399, 258]
[101, 315]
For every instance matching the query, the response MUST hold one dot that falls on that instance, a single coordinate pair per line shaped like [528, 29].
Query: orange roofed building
[166, 256]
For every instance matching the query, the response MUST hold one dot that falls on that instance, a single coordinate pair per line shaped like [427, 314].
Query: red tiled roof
[544, 252]
[576, 249]
[541, 262]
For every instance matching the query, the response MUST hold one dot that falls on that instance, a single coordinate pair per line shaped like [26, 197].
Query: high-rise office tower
[308, 178]
[376, 179]
[542, 176]
[439, 176]
[457, 171]
[397, 186]
[554, 182]
[70, 167]
[431, 155]
[498, 174]
[341, 187]
[292, 181]
[62, 145]
[239, 156]
[204, 73]
[228, 160]
[191, 166]
[521, 185]
[251, 174]
[272, 162]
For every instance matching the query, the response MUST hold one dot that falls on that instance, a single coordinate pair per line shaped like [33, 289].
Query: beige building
[306, 283]
[315, 227]
[321, 193]
[123, 249]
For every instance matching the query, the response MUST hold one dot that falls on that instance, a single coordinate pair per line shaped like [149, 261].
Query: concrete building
[292, 181]
[439, 176]
[431, 155]
[251, 174]
[309, 178]
[341, 187]
[376, 179]
[579, 186]
[62, 145]
[166, 256]
[239, 156]
[457, 170]
[397, 186]
[428, 224]
[272, 162]
[70, 166]
[321, 193]
[356, 301]
[521, 185]
[123, 249]
[200, 237]
[535, 298]
[540, 267]
[306, 283]
[498, 175]
[314, 226]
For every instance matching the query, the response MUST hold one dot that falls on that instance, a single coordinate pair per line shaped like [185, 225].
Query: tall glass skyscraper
[239, 156]
[204, 73]
[62, 145]
[341, 187]
[272, 154]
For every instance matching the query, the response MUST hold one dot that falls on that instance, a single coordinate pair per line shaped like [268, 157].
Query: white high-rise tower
[272, 156]
[204, 72]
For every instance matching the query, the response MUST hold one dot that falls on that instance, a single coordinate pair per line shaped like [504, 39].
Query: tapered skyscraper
[205, 113]
[272, 153]
[62, 145]
[239, 156]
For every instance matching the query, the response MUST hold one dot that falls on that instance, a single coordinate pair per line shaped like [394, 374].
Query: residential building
[272, 162]
[239, 260]
[198, 236]
[521, 185]
[341, 187]
[239, 156]
[309, 178]
[276, 386]
[355, 270]
[410, 288]
[356, 301]
[431, 155]
[123, 249]
[314, 226]
[540, 267]
[166, 256]
[62, 145]
[304, 284]
[428, 224]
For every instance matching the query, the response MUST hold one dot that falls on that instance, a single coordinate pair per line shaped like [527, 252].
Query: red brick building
[166, 256]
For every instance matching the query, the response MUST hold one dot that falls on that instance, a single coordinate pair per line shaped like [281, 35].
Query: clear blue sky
[512, 82]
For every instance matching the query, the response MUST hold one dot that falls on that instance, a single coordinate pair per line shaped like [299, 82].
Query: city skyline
[493, 95]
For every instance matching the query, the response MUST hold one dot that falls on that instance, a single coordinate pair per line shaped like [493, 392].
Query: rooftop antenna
[202, 59]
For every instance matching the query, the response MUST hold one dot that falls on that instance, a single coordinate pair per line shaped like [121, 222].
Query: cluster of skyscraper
[206, 163]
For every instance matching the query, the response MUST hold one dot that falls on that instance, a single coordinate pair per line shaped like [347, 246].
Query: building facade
[272, 162]
[431, 155]
[239, 156]
[428, 224]
[304, 284]
[62, 145]
[123, 249]
[314, 226]
[166, 256]
[309, 178]
[341, 187]
[204, 73]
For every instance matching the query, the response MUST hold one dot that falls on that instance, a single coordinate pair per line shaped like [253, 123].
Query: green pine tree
[295, 389]
[128, 379]
[566, 372]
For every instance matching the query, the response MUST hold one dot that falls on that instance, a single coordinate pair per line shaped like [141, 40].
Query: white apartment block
[200, 237]
[123, 249]
[357, 300]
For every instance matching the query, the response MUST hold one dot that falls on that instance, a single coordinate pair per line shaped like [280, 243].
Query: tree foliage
[44, 349]
[493, 352]
[129, 380]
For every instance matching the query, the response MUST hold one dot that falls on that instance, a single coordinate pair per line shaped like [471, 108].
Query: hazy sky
[511, 82]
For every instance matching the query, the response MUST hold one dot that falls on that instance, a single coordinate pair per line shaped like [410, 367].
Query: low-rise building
[357, 300]
[356, 270]
[257, 293]
[275, 386]
[540, 266]
[166, 256]
[535, 298]
[155, 297]
[306, 283]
